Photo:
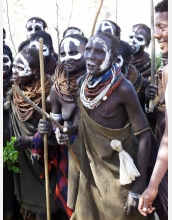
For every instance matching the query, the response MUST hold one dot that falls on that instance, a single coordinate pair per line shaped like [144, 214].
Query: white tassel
[128, 170]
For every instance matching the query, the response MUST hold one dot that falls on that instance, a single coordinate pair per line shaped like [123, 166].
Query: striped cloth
[57, 157]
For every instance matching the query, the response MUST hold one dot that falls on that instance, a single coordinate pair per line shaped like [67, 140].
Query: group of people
[108, 156]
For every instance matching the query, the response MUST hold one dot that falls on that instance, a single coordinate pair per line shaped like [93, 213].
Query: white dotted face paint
[106, 25]
[6, 63]
[105, 63]
[21, 67]
[36, 45]
[33, 26]
[136, 41]
[67, 50]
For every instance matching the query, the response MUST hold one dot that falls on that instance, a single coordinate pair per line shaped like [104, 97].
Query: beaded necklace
[141, 62]
[33, 92]
[101, 89]
[66, 85]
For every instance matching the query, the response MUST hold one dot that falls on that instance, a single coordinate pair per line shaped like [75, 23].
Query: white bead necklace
[91, 104]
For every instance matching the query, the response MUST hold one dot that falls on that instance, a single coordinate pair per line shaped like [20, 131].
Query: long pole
[151, 102]
[97, 14]
[45, 135]
[116, 10]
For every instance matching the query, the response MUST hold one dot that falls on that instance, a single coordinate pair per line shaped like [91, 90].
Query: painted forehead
[140, 30]
[139, 33]
[101, 40]
[34, 22]
[106, 25]
[20, 57]
[69, 41]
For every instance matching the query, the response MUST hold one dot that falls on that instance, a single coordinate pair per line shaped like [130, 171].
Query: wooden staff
[45, 135]
[46, 115]
[151, 101]
[97, 14]
[57, 29]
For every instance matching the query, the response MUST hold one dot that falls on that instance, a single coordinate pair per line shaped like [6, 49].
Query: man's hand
[22, 143]
[146, 200]
[62, 138]
[151, 92]
[45, 127]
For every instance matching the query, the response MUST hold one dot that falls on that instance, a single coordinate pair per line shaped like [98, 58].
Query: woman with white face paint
[131, 73]
[63, 98]
[26, 74]
[35, 24]
[139, 39]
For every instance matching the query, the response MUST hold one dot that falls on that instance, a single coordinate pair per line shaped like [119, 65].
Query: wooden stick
[97, 14]
[151, 101]
[57, 29]
[37, 108]
[42, 112]
[45, 135]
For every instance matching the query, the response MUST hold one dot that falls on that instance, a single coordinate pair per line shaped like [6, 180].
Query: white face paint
[31, 27]
[6, 63]
[72, 31]
[106, 25]
[36, 45]
[136, 41]
[105, 63]
[66, 45]
[21, 67]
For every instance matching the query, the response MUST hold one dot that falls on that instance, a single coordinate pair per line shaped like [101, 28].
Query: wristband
[134, 195]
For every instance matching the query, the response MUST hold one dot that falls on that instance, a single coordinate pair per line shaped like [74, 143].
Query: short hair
[118, 29]
[47, 39]
[81, 32]
[23, 44]
[7, 51]
[162, 6]
[125, 50]
[146, 28]
[114, 41]
[77, 36]
[40, 19]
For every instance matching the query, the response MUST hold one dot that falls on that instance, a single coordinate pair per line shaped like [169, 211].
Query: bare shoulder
[126, 86]
[53, 94]
[53, 88]
[165, 71]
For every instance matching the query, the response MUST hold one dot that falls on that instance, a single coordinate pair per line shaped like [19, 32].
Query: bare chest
[110, 113]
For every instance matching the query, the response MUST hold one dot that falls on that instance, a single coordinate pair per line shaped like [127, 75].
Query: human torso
[110, 113]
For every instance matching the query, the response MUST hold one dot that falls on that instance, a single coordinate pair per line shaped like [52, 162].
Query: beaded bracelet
[134, 195]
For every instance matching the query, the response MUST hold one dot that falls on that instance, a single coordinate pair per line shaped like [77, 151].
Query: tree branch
[9, 27]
